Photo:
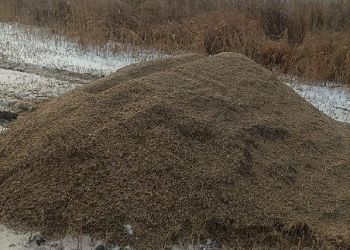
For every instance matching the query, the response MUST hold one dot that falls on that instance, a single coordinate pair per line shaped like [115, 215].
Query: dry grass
[290, 34]
[324, 56]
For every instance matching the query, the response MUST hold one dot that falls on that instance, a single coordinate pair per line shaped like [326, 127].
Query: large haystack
[215, 147]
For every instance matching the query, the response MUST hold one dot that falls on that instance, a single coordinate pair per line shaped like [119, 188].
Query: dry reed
[289, 34]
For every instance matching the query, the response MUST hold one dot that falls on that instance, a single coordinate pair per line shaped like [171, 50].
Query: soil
[181, 150]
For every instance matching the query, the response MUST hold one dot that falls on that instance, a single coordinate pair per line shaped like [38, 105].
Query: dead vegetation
[309, 38]
[182, 150]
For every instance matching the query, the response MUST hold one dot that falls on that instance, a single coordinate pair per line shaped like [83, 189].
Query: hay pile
[183, 148]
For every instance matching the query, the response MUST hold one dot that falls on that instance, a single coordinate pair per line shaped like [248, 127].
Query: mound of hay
[181, 149]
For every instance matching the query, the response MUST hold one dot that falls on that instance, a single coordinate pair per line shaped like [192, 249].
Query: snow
[330, 98]
[27, 241]
[21, 85]
[36, 46]
[19, 241]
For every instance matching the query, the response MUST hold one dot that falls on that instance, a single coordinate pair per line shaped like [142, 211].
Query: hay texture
[180, 149]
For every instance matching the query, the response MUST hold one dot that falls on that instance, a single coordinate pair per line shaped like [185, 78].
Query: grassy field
[307, 38]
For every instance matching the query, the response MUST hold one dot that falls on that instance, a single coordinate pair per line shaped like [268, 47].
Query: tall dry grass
[306, 37]
[323, 56]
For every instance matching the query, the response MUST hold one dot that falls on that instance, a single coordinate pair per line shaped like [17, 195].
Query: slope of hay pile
[185, 149]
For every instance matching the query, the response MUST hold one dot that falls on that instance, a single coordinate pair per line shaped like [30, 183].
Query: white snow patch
[18, 241]
[20, 85]
[332, 99]
[37, 46]
[129, 229]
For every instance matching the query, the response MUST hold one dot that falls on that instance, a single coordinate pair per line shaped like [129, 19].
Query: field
[49, 48]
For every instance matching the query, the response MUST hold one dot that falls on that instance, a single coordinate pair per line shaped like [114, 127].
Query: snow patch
[37, 46]
[21, 85]
[333, 100]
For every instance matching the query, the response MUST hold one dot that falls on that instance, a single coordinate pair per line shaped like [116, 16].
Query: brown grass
[324, 56]
[295, 35]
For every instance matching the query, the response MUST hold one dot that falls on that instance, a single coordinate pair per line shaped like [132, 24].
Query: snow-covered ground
[15, 241]
[35, 241]
[35, 46]
[22, 85]
[330, 98]
[36, 65]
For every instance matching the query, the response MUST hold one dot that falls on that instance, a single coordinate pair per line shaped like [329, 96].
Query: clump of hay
[183, 149]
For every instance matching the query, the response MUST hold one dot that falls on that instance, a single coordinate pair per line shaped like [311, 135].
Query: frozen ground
[36, 65]
[22, 85]
[34, 46]
[332, 99]
[11, 240]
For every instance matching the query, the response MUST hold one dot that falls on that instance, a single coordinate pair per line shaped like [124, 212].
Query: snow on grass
[36, 46]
